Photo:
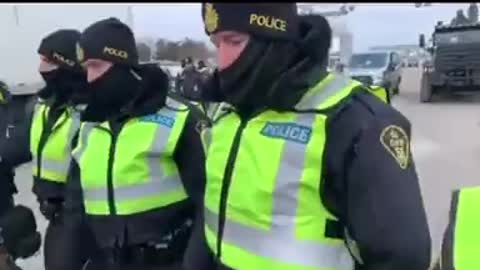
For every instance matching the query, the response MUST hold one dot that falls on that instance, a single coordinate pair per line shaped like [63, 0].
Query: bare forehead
[43, 57]
[96, 62]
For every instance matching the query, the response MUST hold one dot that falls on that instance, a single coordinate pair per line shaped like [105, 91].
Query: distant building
[395, 47]
[342, 40]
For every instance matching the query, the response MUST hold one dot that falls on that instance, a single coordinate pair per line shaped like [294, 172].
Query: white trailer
[24, 25]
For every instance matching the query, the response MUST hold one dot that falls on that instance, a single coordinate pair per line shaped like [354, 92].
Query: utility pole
[420, 5]
[130, 21]
[16, 15]
[343, 10]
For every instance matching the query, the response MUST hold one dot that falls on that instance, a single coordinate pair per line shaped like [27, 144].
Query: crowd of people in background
[187, 81]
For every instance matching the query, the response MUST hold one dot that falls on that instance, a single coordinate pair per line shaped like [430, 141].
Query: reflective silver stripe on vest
[157, 184]
[62, 166]
[220, 111]
[279, 242]
[338, 83]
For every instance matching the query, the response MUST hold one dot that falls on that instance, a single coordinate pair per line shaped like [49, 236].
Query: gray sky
[372, 24]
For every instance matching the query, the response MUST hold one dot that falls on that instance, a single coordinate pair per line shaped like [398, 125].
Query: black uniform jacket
[15, 119]
[369, 179]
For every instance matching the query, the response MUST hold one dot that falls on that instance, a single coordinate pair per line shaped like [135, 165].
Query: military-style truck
[454, 67]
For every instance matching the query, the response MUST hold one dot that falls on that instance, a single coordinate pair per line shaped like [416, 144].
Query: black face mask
[113, 90]
[50, 88]
[251, 82]
[63, 86]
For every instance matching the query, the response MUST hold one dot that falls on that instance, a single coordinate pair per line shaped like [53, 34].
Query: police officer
[138, 159]
[7, 186]
[305, 169]
[54, 124]
[18, 233]
[15, 120]
[461, 239]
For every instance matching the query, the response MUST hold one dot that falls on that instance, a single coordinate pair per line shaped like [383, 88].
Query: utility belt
[139, 255]
[169, 250]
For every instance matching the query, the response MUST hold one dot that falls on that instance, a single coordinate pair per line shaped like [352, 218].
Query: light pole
[343, 10]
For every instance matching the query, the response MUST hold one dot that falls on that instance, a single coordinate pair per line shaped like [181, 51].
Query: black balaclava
[67, 83]
[114, 89]
[64, 86]
[113, 41]
[320, 43]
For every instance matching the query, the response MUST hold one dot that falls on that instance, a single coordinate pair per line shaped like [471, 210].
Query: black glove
[18, 232]
[51, 209]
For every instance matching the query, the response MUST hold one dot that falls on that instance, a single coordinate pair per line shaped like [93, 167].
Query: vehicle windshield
[368, 60]
[466, 36]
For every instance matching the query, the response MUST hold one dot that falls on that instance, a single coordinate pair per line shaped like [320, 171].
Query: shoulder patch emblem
[396, 142]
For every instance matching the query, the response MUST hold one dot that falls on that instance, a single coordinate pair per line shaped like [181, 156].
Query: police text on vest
[287, 131]
[160, 119]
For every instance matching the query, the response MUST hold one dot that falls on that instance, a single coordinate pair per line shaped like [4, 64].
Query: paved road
[445, 150]
[445, 146]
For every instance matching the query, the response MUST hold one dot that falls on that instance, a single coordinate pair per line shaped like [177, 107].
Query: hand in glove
[18, 233]
[51, 209]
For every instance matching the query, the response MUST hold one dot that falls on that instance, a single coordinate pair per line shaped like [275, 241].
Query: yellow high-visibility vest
[263, 181]
[380, 92]
[461, 243]
[135, 171]
[52, 161]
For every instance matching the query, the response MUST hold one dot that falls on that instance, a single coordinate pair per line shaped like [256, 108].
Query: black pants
[100, 265]
[6, 203]
[68, 244]
[197, 255]
[124, 261]
[7, 189]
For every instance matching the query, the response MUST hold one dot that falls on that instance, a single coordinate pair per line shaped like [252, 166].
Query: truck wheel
[425, 90]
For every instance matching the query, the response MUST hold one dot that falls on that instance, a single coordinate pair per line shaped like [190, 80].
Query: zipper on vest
[48, 128]
[111, 158]
[227, 179]
[41, 144]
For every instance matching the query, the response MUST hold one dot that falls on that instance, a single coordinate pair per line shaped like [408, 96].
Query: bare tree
[144, 52]
[176, 51]
[166, 50]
